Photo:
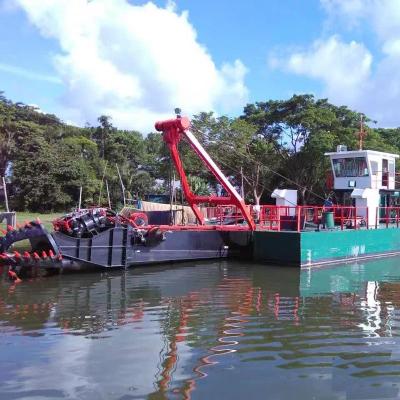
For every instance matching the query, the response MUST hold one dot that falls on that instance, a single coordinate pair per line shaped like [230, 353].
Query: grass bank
[46, 219]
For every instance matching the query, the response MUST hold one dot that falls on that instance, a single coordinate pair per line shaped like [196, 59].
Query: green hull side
[330, 246]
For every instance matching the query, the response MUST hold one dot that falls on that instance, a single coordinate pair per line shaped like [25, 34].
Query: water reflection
[206, 330]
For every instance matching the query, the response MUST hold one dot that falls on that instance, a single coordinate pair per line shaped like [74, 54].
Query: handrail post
[387, 218]
[272, 219]
[298, 211]
[271, 216]
[355, 217]
[279, 219]
[341, 218]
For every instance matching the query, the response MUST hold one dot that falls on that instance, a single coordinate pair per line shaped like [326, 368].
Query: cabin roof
[355, 153]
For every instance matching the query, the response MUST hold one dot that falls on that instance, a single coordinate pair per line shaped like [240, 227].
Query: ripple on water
[211, 330]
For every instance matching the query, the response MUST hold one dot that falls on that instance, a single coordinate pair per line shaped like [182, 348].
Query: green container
[328, 220]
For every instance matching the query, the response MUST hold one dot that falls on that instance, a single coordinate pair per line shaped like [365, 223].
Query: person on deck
[328, 204]
[257, 212]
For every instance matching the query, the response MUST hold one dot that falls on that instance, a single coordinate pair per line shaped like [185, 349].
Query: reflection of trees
[90, 305]
[389, 293]
[256, 314]
[210, 317]
[19, 309]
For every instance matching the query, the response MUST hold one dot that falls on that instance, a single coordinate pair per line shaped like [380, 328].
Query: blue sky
[136, 61]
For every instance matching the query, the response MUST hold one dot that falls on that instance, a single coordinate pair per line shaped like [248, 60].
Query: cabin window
[350, 167]
[391, 168]
[374, 167]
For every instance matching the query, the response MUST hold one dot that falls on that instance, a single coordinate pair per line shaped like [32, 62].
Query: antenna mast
[361, 134]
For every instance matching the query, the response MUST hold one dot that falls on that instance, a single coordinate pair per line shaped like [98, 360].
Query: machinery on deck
[99, 237]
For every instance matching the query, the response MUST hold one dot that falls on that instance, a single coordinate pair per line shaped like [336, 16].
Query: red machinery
[173, 131]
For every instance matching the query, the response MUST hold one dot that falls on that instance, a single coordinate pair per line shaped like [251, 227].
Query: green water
[221, 330]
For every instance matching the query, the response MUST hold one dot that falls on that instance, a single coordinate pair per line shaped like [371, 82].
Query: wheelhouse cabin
[363, 173]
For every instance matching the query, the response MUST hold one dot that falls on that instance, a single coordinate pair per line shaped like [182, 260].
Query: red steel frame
[173, 132]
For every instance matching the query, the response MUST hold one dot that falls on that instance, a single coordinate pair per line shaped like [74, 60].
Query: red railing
[299, 218]
[387, 216]
[295, 218]
[223, 215]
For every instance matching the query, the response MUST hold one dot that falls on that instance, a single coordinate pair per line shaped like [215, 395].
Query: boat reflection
[162, 332]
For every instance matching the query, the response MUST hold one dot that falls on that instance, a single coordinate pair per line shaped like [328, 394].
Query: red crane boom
[173, 131]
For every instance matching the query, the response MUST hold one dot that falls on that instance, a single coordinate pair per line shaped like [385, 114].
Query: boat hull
[119, 247]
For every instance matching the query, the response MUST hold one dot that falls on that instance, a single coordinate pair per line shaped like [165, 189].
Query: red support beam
[173, 132]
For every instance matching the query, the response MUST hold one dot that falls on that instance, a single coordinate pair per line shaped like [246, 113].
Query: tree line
[276, 143]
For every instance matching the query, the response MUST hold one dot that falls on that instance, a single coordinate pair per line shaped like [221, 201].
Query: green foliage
[199, 186]
[301, 130]
[240, 151]
[36, 178]
[276, 143]
[48, 161]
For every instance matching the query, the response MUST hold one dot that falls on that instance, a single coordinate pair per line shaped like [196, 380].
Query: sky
[138, 60]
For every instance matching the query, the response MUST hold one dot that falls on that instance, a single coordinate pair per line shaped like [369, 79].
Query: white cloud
[343, 67]
[348, 71]
[382, 96]
[134, 63]
[383, 16]
[354, 9]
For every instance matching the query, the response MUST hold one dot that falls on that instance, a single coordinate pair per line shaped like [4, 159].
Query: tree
[32, 190]
[199, 186]
[102, 132]
[7, 133]
[276, 143]
[302, 129]
[240, 150]
[12, 115]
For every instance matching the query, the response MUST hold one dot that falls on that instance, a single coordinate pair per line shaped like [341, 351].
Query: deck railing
[388, 216]
[300, 218]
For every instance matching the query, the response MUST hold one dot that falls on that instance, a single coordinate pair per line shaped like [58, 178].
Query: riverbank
[46, 219]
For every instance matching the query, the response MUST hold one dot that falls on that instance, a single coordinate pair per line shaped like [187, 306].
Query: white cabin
[365, 179]
[363, 169]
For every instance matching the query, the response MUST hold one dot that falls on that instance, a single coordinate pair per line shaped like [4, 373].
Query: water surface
[209, 330]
